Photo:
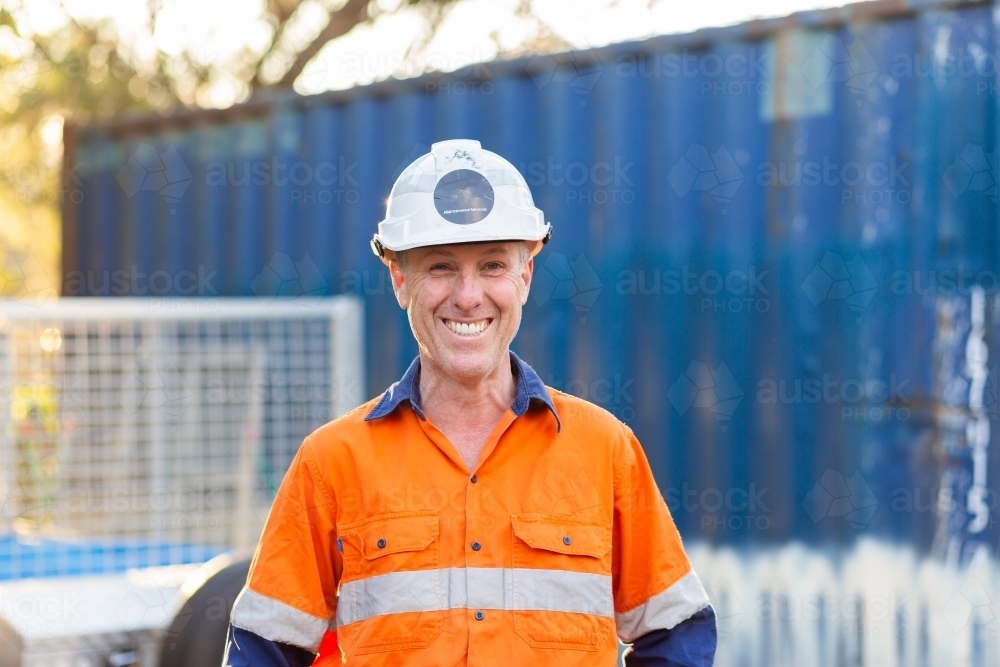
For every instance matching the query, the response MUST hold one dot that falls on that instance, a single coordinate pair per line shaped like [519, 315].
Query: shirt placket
[483, 573]
[485, 581]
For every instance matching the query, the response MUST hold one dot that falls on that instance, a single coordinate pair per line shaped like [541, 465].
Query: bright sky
[217, 29]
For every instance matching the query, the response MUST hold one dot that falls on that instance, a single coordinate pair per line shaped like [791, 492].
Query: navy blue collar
[529, 387]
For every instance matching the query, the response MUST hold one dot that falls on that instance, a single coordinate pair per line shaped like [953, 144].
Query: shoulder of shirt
[576, 412]
[342, 427]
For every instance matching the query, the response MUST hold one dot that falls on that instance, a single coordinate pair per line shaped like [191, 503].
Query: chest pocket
[390, 595]
[562, 581]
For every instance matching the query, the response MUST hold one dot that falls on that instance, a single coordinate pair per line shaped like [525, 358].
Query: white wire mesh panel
[140, 433]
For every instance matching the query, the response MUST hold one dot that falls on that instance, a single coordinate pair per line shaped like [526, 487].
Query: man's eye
[494, 266]
[439, 267]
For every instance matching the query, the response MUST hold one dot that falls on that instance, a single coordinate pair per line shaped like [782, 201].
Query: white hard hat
[459, 193]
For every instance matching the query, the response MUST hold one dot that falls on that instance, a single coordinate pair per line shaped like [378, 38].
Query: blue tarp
[23, 558]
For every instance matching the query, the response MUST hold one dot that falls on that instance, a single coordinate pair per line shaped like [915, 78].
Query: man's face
[464, 303]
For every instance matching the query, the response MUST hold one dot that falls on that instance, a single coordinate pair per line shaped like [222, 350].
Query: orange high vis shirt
[557, 543]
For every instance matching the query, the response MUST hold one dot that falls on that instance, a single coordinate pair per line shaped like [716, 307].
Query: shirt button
[476, 546]
[567, 541]
[474, 479]
[381, 544]
[480, 615]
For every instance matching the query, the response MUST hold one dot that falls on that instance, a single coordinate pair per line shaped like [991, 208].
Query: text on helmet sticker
[463, 197]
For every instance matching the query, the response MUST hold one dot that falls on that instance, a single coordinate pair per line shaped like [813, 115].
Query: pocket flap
[391, 533]
[563, 534]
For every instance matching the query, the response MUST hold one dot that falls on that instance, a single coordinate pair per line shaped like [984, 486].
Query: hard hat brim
[387, 254]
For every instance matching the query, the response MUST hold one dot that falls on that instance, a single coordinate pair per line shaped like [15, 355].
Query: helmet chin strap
[381, 251]
[535, 247]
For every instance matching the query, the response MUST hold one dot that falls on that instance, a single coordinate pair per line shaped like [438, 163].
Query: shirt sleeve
[245, 649]
[291, 591]
[655, 588]
[690, 643]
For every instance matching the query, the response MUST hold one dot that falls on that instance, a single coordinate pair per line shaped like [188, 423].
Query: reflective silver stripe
[475, 588]
[664, 610]
[277, 621]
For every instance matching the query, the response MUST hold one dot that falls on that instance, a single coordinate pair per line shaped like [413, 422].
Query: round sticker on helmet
[463, 197]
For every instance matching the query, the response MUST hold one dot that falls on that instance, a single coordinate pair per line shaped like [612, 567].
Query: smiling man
[470, 515]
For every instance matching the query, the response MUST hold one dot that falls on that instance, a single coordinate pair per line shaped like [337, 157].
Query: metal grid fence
[149, 432]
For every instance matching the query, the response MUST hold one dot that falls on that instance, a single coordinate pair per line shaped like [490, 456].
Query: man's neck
[466, 410]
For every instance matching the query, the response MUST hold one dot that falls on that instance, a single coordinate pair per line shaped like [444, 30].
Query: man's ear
[400, 285]
[526, 272]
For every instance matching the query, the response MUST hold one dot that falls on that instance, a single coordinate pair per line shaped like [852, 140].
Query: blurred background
[774, 258]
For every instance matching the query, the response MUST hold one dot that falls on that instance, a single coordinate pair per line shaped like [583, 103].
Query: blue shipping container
[774, 256]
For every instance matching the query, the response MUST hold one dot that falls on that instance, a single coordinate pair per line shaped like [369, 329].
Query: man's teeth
[467, 329]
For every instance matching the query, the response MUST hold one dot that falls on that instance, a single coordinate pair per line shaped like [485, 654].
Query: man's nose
[467, 293]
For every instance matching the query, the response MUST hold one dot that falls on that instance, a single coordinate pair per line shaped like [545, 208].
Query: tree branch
[341, 22]
[280, 12]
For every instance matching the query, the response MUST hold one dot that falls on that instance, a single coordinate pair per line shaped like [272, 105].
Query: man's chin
[469, 366]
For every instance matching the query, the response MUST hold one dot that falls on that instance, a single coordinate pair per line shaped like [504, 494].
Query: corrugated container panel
[746, 224]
